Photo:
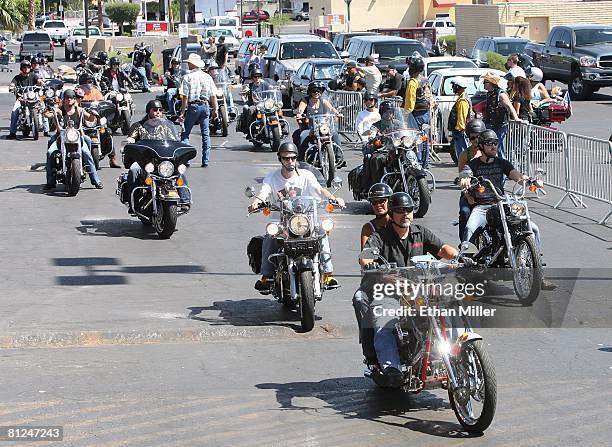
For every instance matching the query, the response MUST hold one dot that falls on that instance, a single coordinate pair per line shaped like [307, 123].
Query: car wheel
[299, 19]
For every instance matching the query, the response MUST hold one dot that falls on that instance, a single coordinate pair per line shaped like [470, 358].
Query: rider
[154, 110]
[539, 94]
[25, 78]
[172, 77]
[306, 183]
[366, 118]
[314, 104]
[37, 68]
[398, 242]
[69, 111]
[114, 77]
[249, 89]
[142, 64]
[221, 79]
[91, 92]
[86, 64]
[44, 65]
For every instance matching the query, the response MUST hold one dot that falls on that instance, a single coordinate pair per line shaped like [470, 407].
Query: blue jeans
[501, 141]
[461, 142]
[423, 118]
[385, 341]
[170, 94]
[361, 304]
[143, 75]
[201, 113]
[14, 117]
[270, 246]
[464, 214]
[87, 159]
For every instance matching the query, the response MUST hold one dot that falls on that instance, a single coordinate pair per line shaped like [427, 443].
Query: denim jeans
[270, 246]
[464, 214]
[170, 94]
[423, 118]
[87, 159]
[461, 142]
[385, 341]
[361, 304]
[143, 76]
[501, 141]
[136, 178]
[14, 117]
[201, 113]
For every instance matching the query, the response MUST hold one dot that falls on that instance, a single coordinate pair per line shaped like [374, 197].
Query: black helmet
[288, 147]
[256, 71]
[174, 60]
[102, 56]
[475, 125]
[370, 95]
[487, 135]
[415, 64]
[385, 106]
[44, 60]
[40, 55]
[84, 77]
[153, 104]
[35, 60]
[83, 57]
[401, 200]
[379, 191]
[316, 85]
[25, 63]
[114, 61]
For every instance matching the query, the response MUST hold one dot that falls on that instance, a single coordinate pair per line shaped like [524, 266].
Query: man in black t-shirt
[221, 57]
[25, 78]
[398, 242]
[393, 84]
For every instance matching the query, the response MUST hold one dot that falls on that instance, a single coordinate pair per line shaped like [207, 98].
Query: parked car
[440, 63]
[57, 30]
[302, 16]
[191, 48]
[385, 49]
[341, 40]
[231, 40]
[73, 46]
[501, 45]
[427, 36]
[444, 27]
[312, 70]
[224, 22]
[255, 16]
[578, 55]
[440, 81]
[286, 12]
[242, 52]
[34, 42]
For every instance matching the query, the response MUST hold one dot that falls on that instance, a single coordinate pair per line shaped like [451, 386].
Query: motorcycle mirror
[336, 183]
[249, 192]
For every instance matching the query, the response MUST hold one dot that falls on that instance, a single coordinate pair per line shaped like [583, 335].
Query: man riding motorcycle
[172, 77]
[154, 110]
[142, 64]
[25, 78]
[114, 78]
[398, 242]
[90, 91]
[86, 64]
[220, 75]
[306, 184]
[249, 89]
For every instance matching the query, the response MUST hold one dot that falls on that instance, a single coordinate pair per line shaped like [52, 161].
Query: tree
[31, 14]
[123, 12]
[10, 21]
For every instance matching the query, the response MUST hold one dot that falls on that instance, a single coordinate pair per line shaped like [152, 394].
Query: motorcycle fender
[461, 340]
[303, 264]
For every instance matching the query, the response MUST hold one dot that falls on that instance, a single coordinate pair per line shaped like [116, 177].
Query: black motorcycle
[31, 108]
[68, 161]
[99, 131]
[163, 160]
[163, 97]
[124, 110]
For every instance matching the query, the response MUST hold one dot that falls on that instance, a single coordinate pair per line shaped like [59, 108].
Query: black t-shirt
[394, 83]
[22, 80]
[221, 52]
[419, 242]
[493, 171]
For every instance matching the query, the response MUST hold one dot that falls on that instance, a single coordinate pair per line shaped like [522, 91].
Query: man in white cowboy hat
[198, 103]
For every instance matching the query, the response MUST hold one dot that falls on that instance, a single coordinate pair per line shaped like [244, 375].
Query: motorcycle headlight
[181, 169]
[50, 93]
[149, 167]
[166, 168]
[127, 97]
[327, 225]
[220, 92]
[299, 224]
[409, 141]
[518, 209]
[269, 103]
[30, 95]
[412, 157]
[324, 129]
[119, 96]
[103, 121]
[272, 229]
[72, 136]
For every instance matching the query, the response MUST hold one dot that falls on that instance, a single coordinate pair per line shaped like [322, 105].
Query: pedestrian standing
[198, 103]
[459, 114]
[222, 52]
[210, 52]
[371, 74]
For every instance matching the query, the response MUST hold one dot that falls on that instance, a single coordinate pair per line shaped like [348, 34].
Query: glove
[466, 261]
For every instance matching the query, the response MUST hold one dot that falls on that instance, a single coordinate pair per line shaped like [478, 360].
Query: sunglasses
[378, 201]
[289, 158]
[403, 210]
[490, 143]
[157, 109]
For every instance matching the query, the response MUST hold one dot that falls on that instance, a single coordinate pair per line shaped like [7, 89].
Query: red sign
[156, 27]
[248, 33]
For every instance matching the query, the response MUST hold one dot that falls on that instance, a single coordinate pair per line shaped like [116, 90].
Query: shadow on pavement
[358, 398]
[117, 228]
[32, 189]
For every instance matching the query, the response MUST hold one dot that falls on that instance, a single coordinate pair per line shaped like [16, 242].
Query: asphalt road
[125, 339]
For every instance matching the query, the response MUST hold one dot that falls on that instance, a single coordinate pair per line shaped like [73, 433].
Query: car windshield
[433, 66]
[160, 129]
[55, 25]
[474, 85]
[81, 32]
[327, 71]
[307, 50]
[586, 37]
[219, 32]
[508, 48]
[398, 51]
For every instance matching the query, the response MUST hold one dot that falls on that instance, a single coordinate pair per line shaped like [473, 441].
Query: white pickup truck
[57, 30]
[75, 40]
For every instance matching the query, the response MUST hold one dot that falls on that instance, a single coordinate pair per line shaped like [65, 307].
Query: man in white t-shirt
[371, 74]
[367, 117]
[512, 64]
[304, 183]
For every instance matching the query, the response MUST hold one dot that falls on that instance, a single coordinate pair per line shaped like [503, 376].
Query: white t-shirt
[373, 78]
[364, 121]
[518, 71]
[304, 184]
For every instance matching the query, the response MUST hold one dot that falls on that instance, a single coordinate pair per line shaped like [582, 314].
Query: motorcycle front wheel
[331, 164]
[224, 123]
[276, 138]
[95, 153]
[73, 178]
[419, 191]
[165, 220]
[307, 300]
[475, 400]
[125, 122]
[527, 279]
[35, 130]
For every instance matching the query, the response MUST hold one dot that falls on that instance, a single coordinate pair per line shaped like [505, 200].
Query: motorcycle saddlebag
[354, 179]
[254, 253]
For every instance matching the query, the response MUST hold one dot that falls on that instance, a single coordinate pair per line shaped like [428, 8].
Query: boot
[112, 162]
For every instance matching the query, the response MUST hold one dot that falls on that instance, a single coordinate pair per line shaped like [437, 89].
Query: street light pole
[86, 11]
[348, 15]
[183, 39]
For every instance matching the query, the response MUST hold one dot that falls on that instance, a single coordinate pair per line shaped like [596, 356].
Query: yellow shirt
[410, 99]
[463, 110]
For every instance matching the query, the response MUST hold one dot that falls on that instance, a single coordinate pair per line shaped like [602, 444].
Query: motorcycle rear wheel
[165, 221]
[307, 300]
[476, 375]
[74, 177]
[528, 262]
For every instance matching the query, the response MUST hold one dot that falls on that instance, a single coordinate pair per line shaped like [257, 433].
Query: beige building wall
[531, 20]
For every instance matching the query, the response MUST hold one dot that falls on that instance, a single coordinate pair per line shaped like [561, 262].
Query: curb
[139, 337]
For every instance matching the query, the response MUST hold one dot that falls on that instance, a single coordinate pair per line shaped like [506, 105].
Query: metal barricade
[589, 172]
[352, 103]
[517, 144]
[547, 151]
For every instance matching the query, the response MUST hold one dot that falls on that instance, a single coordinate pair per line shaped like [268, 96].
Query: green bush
[122, 12]
[451, 44]
[496, 61]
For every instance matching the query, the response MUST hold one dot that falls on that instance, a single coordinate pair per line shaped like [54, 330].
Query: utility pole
[86, 19]
[348, 15]
[183, 39]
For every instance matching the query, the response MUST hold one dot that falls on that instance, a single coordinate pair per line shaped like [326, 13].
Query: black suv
[388, 50]
[501, 45]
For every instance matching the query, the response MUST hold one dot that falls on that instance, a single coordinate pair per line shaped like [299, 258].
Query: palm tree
[31, 14]
[100, 24]
[10, 18]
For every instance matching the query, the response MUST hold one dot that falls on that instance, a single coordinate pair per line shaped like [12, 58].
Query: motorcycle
[507, 240]
[221, 124]
[30, 110]
[297, 281]
[321, 151]
[129, 69]
[98, 131]
[269, 126]
[436, 344]
[163, 159]
[124, 110]
[68, 161]
[398, 143]
[175, 99]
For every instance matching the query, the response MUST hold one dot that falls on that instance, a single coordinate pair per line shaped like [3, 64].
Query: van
[224, 22]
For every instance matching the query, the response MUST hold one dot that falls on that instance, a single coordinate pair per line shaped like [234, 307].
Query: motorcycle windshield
[398, 124]
[221, 77]
[325, 123]
[268, 93]
[300, 204]
[160, 129]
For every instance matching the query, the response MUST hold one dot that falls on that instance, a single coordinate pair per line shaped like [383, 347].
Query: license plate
[273, 122]
[94, 140]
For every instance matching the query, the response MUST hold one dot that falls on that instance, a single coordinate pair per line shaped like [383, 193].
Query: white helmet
[535, 74]
[459, 81]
